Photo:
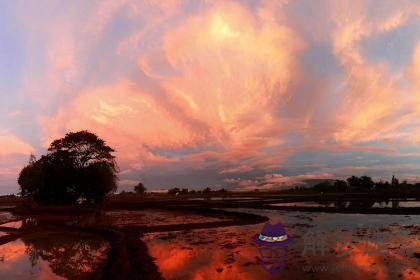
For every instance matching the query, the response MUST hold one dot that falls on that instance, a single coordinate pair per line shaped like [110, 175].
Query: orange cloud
[11, 144]
[127, 118]
[373, 105]
[223, 85]
[232, 72]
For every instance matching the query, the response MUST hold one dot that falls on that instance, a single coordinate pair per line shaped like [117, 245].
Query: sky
[234, 94]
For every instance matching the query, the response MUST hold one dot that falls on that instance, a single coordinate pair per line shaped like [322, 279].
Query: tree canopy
[140, 188]
[80, 165]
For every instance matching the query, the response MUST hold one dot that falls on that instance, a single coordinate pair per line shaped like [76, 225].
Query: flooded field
[53, 256]
[6, 216]
[223, 198]
[351, 204]
[324, 246]
[155, 217]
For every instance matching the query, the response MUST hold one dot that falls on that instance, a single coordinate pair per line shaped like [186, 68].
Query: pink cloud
[224, 86]
[11, 144]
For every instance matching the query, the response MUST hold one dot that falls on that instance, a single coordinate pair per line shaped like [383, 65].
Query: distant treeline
[366, 184]
[353, 184]
[140, 189]
[187, 191]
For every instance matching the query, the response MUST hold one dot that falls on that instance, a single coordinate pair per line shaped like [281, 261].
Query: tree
[30, 177]
[366, 183]
[382, 186]
[32, 159]
[139, 188]
[173, 191]
[80, 165]
[207, 190]
[353, 181]
[340, 185]
[323, 186]
[394, 181]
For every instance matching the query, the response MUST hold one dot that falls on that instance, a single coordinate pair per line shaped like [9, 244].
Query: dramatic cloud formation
[239, 94]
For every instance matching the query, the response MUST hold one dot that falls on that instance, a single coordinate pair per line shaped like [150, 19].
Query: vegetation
[207, 190]
[139, 188]
[174, 191]
[185, 191]
[78, 166]
[366, 184]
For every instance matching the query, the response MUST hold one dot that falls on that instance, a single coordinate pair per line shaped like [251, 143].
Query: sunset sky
[233, 94]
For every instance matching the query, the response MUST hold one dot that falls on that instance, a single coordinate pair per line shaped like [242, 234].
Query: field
[211, 237]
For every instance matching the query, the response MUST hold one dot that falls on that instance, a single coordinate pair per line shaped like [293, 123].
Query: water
[13, 224]
[155, 217]
[6, 216]
[377, 247]
[217, 198]
[351, 204]
[53, 256]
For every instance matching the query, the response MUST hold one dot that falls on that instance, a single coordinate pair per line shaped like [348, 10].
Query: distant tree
[207, 190]
[394, 181]
[323, 186]
[382, 186]
[340, 185]
[353, 181]
[184, 191]
[139, 188]
[366, 183]
[80, 165]
[173, 191]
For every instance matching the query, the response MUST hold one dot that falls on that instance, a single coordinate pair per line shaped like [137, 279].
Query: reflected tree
[73, 256]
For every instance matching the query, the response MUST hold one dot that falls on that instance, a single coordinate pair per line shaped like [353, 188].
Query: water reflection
[53, 256]
[228, 253]
[351, 204]
[223, 198]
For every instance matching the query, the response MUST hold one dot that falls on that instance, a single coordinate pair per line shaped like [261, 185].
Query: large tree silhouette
[80, 165]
